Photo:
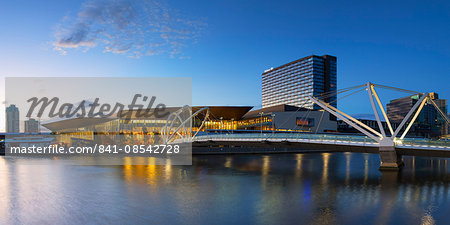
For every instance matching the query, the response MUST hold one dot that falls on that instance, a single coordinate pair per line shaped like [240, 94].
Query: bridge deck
[251, 143]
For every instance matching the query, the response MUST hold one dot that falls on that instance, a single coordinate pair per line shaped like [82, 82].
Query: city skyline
[400, 46]
[224, 112]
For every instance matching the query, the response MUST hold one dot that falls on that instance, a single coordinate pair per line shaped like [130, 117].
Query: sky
[226, 45]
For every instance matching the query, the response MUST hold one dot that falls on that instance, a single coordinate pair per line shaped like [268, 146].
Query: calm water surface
[326, 188]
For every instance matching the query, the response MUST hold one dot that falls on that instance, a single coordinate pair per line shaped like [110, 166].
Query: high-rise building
[293, 82]
[12, 119]
[31, 126]
[429, 123]
[442, 104]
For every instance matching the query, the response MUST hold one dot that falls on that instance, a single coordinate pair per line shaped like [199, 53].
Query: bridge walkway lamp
[273, 124]
[232, 125]
[261, 122]
[221, 124]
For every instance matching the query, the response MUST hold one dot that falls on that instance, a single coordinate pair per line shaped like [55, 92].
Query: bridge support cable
[397, 89]
[321, 96]
[324, 96]
[341, 115]
[345, 96]
[351, 118]
[418, 103]
[340, 91]
[382, 109]
[305, 118]
[375, 110]
[320, 121]
[203, 122]
[167, 133]
[361, 88]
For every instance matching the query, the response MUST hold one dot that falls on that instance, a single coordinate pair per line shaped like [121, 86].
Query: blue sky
[397, 43]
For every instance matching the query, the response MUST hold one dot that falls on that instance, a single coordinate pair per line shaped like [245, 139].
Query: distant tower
[12, 119]
[31, 126]
[428, 124]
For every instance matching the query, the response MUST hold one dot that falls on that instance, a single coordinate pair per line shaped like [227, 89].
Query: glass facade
[264, 123]
[428, 124]
[292, 83]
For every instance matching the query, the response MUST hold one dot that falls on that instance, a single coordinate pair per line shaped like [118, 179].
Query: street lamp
[221, 125]
[232, 125]
[261, 113]
[273, 123]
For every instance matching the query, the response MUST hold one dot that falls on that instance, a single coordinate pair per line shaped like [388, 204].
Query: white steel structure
[179, 125]
[386, 142]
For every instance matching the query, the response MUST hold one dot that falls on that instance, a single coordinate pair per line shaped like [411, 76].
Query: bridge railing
[324, 138]
[287, 137]
[416, 142]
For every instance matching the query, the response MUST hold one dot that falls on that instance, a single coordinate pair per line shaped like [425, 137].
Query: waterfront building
[288, 118]
[138, 129]
[12, 119]
[292, 83]
[223, 119]
[429, 123]
[31, 126]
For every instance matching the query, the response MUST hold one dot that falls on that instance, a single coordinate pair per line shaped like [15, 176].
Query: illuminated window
[307, 122]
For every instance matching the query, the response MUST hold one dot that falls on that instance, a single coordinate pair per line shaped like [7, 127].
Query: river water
[327, 188]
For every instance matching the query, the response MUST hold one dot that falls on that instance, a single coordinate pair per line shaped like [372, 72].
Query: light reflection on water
[326, 188]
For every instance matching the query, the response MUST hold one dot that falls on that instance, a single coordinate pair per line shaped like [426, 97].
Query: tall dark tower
[294, 82]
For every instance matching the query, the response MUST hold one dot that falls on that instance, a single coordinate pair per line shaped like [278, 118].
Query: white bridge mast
[386, 143]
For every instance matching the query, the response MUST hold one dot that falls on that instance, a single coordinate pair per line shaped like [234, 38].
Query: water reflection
[4, 188]
[271, 189]
[348, 157]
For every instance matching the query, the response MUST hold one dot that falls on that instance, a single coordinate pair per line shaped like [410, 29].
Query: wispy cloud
[131, 27]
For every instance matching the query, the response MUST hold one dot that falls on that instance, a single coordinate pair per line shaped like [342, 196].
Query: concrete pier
[389, 157]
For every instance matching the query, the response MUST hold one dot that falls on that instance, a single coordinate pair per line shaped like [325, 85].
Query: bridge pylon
[390, 158]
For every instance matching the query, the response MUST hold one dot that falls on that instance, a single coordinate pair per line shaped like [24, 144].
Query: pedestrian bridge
[303, 142]
[390, 144]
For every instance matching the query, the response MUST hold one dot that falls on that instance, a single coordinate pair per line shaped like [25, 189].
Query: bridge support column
[390, 159]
